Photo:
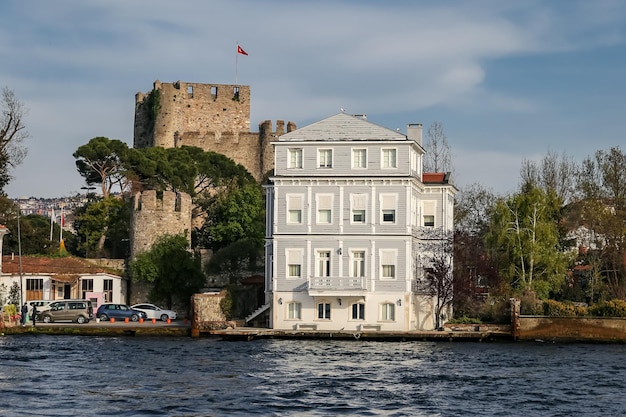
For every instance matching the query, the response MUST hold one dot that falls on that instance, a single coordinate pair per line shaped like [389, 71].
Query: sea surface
[43, 375]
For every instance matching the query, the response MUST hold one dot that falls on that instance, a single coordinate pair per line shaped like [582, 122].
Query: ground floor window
[294, 311]
[34, 288]
[108, 290]
[358, 311]
[86, 286]
[323, 311]
[388, 312]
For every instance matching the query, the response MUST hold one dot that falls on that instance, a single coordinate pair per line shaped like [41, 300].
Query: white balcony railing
[338, 283]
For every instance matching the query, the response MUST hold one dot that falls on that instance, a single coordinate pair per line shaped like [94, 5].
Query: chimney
[414, 132]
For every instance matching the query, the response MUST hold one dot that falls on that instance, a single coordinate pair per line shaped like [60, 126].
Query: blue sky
[508, 80]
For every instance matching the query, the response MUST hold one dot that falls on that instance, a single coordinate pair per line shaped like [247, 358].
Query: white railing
[337, 283]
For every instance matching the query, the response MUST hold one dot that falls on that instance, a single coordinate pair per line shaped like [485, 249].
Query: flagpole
[62, 214]
[51, 221]
[236, 63]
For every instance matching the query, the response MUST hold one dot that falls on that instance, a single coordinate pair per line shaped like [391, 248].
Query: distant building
[347, 208]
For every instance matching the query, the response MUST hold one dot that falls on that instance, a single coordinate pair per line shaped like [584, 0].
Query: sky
[508, 80]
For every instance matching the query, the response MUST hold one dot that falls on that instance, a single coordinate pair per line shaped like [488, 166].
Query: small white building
[346, 209]
[43, 278]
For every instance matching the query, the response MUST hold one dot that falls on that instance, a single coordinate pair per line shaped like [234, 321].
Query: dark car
[118, 311]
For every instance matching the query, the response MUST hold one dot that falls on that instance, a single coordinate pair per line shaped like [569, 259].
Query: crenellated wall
[213, 117]
[154, 216]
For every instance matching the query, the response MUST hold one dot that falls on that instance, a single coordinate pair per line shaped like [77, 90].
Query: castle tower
[154, 216]
[213, 117]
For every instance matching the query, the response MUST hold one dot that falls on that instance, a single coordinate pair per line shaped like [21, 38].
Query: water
[129, 376]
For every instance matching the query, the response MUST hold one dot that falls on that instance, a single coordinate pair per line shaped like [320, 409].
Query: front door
[67, 291]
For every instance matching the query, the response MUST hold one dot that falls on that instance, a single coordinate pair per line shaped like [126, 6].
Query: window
[358, 311]
[389, 158]
[294, 263]
[388, 205]
[34, 288]
[190, 91]
[358, 203]
[430, 208]
[108, 290]
[389, 216]
[358, 264]
[325, 157]
[324, 209]
[295, 158]
[359, 158]
[294, 311]
[295, 270]
[323, 311]
[388, 264]
[388, 312]
[323, 264]
[294, 209]
[86, 286]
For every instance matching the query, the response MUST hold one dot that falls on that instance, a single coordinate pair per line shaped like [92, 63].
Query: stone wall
[213, 117]
[153, 217]
[596, 329]
[580, 329]
[206, 313]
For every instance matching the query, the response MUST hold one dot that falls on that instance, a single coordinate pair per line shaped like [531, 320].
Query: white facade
[345, 209]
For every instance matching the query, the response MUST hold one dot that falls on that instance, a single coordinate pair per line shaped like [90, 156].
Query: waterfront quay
[250, 333]
[182, 329]
[93, 328]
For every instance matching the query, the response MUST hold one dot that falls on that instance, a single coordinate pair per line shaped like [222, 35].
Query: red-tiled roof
[41, 265]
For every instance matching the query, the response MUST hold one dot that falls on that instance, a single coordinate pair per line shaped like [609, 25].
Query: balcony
[337, 286]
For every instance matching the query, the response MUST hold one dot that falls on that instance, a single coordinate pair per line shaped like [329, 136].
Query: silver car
[155, 312]
[80, 311]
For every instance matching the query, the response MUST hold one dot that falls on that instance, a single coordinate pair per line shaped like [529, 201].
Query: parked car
[42, 305]
[118, 311]
[80, 311]
[155, 312]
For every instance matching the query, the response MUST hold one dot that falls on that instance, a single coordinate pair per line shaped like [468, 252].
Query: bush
[556, 308]
[465, 320]
[612, 308]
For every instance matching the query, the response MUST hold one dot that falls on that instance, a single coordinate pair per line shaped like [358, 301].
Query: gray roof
[342, 127]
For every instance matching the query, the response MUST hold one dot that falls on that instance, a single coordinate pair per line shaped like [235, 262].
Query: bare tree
[553, 173]
[12, 135]
[438, 156]
[434, 260]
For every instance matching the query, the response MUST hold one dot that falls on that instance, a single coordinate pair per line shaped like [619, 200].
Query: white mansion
[345, 211]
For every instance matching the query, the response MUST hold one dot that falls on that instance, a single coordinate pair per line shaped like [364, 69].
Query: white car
[154, 312]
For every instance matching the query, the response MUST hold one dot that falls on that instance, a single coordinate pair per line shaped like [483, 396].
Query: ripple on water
[133, 376]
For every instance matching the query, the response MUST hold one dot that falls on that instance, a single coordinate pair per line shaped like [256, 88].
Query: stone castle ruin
[213, 117]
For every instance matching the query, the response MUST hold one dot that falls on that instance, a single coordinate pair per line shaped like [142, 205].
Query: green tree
[231, 215]
[12, 135]
[601, 211]
[173, 271]
[102, 161]
[103, 228]
[523, 238]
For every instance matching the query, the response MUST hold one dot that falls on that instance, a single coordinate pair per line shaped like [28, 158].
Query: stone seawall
[590, 329]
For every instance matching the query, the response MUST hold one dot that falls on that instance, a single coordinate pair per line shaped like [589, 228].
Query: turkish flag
[241, 51]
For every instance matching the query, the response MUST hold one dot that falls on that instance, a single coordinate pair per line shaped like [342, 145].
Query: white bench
[304, 326]
[364, 327]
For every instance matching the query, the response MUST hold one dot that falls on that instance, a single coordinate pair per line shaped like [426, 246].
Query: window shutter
[388, 202]
[324, 202]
